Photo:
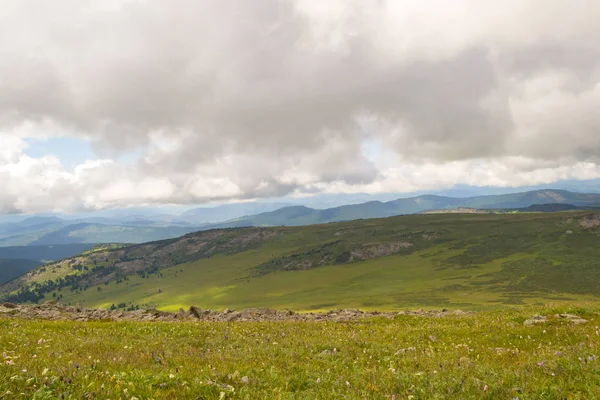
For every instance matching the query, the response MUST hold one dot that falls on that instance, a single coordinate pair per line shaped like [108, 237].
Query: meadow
[487, 354]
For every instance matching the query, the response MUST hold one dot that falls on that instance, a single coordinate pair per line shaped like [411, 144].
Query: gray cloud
[236, 99]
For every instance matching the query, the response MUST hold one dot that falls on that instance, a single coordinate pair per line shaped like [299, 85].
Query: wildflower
[485, 388]
[540, 363]
[347, 383]
[245, 380]
[318, 380]
[40, 341]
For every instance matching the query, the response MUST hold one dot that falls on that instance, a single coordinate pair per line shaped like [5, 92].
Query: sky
[118, 103]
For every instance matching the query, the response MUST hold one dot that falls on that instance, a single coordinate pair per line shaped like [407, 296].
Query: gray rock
[535, 320]
[574, 319]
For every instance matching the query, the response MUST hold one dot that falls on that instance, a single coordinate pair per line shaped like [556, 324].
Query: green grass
[483, 355]
[468, 261]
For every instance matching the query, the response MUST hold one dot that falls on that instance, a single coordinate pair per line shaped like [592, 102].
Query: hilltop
[465, 261]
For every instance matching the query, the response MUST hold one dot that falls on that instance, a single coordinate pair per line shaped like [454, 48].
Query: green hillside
[464, 261]
[300, 215]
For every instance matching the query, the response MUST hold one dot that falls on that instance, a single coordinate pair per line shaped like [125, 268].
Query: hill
[447, 260]
[43, 253]
[299, 215]
[13, 268]
[59, 232]
[15, 261]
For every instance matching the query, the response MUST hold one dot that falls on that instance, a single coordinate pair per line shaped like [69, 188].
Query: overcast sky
[113, 103]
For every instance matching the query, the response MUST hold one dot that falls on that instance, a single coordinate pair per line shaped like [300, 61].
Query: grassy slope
[476, 261]
[485, 355]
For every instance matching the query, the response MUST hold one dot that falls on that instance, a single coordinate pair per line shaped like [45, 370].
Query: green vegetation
[483, 355]
[468, 261]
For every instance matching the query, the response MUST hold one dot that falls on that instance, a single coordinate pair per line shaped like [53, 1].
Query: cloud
[235, 99]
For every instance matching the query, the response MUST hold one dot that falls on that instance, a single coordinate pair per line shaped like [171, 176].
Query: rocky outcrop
[590, 221]
[54, 311]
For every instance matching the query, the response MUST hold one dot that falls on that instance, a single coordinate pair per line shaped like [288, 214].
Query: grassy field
[454, 261]
[489, 354]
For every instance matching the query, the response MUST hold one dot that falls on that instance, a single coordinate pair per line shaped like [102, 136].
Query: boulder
[535, 320]
[574, 319]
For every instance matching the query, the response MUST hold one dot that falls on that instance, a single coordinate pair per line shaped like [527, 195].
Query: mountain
[15, 261]
[206, 215]
[300, 215]
[13, 268]
[469, 261]
[100, 233]
[43, 253]
[120, 227]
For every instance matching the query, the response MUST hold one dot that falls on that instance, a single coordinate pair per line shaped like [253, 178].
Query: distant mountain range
[300, 215]
[127, 228]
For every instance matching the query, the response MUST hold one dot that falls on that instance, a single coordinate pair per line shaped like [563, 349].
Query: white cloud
[235, 99]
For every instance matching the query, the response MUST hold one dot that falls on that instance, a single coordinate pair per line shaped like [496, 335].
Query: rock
[574, 319]
[56, 311]
[326, 353]
[535, 320]
[8, 311]
[195, 312]
[406, 350]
